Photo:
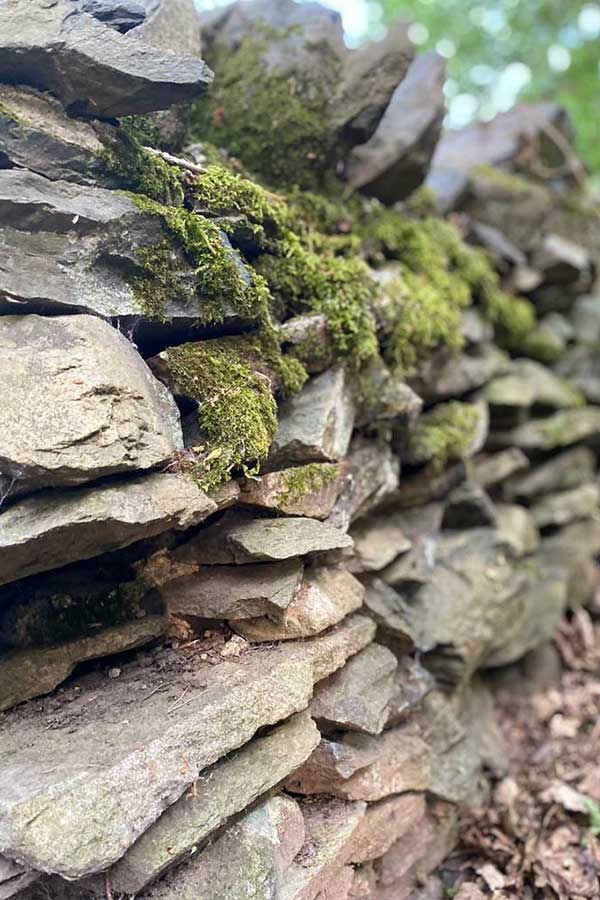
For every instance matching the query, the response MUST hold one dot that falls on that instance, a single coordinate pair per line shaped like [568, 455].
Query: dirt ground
[540, 837]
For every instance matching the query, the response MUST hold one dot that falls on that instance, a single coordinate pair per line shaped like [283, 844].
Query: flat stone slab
[562, 472]
[220, 792]
[447, 374]
[326, 595]
[412, 683]
[383, 824]
[528, 383]
[567, 506]
[310, 490]
[356, 697]
[374, 473]
[155, 727]
[234, 592]
[564, 428]
[114, 415]
[241, 539]
[91, 67]
[494, 468]
[378, 540]
[518, 527]
[56, 527]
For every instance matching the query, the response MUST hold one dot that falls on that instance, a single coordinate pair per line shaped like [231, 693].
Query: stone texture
[562, 429]
[342, 757]
[527, 384]
[585, 319]
[91, 67]
[394, 161]
[170, 25]
[561, 262]
[241, 539]
[518, 528]
[303, 491]
[564, 471]
[356, 697]
[56, 527]
[384, 398]
[383, 824]
[418, 452]
[389, 612]
[220, 792]
[233, 592]
[378, 540]
[326, 595]
[14, 878]
[34, 671]
[567, 506]
[412, 683]
[373, 475]
[316, 424]
[574, 549]
[469, 506]
[447, 374]
[493, 468]
[113, 415]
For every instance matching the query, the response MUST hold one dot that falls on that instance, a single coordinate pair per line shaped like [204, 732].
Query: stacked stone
[286, 698]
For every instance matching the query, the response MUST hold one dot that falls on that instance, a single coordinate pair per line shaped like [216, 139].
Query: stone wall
[289, 463]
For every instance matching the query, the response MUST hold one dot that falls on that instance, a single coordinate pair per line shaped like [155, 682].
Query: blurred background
[498, 52]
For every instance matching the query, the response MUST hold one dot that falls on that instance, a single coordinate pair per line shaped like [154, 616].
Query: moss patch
[143, 172]
[310, 479]
[444, 434]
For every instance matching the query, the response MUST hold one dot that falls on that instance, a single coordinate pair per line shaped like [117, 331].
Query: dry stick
[176, 160]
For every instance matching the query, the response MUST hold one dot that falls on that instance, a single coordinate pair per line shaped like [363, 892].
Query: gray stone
[504, 254]
[518, 527]
[113, 416]
[242, 539]
[316, 424]
[527, 384]
[475, 328]
[562, 429]
[329, 651]
[394, 161]
[559, 325]
[421, 449]
[580, 365]
[567, 506]
[311, 339]
[383, 824]
[14, 878]
[427, 485]
[56, 527]
[468, 506]
[412, 683]
[37, 134]
[91, 67]
[378, 540]
[575, 549]
[310, 490]
[121, 15]
[34, 671]
[373, 475]
[562, 262]
[342, 757]
[356, 697]
[447, 374]
[325, 596]
[221, 791]
[494, 468]
[564, 471]
[234, 592]
[585, 317]
[388, 610]
[385, 397]
[170, 25]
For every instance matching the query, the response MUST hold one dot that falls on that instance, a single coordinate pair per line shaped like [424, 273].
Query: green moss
[165, 279]
[222, 192]
[237, 411]
[444, 434]
[143, 172]
[542, 344]
[310, 479]
[422, 202]
[513, 318]
[7, 111]
[259, 114]
[508, 181]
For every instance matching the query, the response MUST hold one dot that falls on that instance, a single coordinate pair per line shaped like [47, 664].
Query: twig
[176, 160]
[171, 708]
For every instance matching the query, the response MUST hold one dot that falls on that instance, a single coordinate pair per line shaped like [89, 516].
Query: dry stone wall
[288, 461]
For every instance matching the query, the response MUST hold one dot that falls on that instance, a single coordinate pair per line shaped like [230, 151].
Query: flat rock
[383, 824]
[316, 424]
[56, 527]
[585, 319]
[566, 506]
[14, 878]
[325, 596]
[447, 374]
[114, 415]
[570, 426]
[518, 527]
[580, 365]
[34, 671]
[241, 539]
[394, 161]
[220, 792]
[420, 449]
[527, 384]
[575, 548]
[91, 67]
[37, 134]
[469, 506]
[562, 262]
[564, 471]
[412, 683]
[427, 485]
[388, 610]
[378, 540]
[422, 525]
[491, 469]
[384, 397]
[373, 475]
[310, 337]
[342, 757]
[234, 592]
[356, 697]
[310, 490]
[170, 25]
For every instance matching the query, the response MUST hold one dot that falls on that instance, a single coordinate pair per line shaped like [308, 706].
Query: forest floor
[540, 836]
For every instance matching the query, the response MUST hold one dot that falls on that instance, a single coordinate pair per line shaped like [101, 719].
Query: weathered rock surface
[527, 384]
[170, 25]
[446, 374]
[580, 366]
[412, 683]
[356, 698]
[385, 398]
[566, 470]
[56, 527]
[90, 66]
[113, 415]
[220, 792]
[518, 527]
[563, 429]
[469, 506]
[316, 424]
[241, 539]
[378, 540]
[491, 469]
[561, 262]
[567, 506]
[231, 592]
[383, 824]
[373, 475]
[325, 596]
[388, 610]
[310, 490]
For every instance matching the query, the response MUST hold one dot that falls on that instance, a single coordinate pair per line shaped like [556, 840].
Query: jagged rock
[56, 527]
[567, 506]
[122, 15]
[234, 592]
[114, 416]
[394, 161]
[427, 485]
[580, 365]
[238, 538]
[14, 878]
[316, 424]
[575, 548]
[527, 384]
[491, 469]
[37, 134]
[34, 671]
[325, 596]
[385, 397]
[562, 262]
[91, 67]
[446, 374]
[302, 491]
[564, 428]
[383, 824]
[356, 697]
[412, 683]
[413, 569]
[223, 790]
[518, 527]
[403, 763]
[468, 506]
[170, 25]
[566, 470]
[378, 540]
[373, 475]
[86, 763]
[344, 756]
[387, 609]
[310, 337]
[585, 318]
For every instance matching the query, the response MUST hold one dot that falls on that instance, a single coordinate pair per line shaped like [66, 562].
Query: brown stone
[378, 540]
[384, 823]
[310, 490]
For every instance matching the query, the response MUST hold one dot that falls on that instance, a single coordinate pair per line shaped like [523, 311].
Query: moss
[444, 434]
[166, 279]
[508, 181]
[7, 111]
[310, 479]
[513, 318]
[143, 172]
[422, 202]
[262, 117]
[542, 344]
[222, 192]
[237, 411]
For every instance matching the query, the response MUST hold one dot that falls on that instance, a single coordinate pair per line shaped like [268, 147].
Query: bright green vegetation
[302, 480]
[444, 434]
[143, 172]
